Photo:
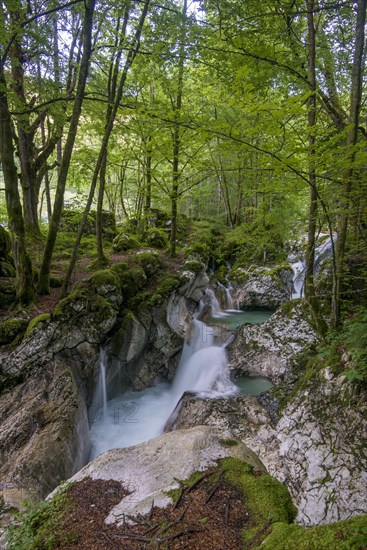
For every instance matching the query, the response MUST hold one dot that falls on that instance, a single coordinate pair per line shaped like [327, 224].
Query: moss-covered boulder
[125, 241]
[149, 261]
[156, 237]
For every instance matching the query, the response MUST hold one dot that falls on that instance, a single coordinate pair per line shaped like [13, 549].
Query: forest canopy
[248, 115]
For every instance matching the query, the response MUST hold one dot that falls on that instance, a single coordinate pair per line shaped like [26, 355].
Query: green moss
[12, 329]
[119, 267]
[195, 266]
[124, 242]
[35, 322]
[156, 237]
[104, 277]
[348, 534]
[40, 525]
[150, 262]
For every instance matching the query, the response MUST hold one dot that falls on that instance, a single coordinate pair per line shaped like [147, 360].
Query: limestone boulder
[268, 287]
[271, 349]
[151, 469]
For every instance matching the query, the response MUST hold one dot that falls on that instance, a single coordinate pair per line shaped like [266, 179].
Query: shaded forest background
[242, 124]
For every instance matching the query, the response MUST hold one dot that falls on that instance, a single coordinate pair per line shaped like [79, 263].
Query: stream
[137, 416]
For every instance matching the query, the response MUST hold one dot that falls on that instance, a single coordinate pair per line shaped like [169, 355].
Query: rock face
[44, 432]
[272, 348]
[148, 344]
[322, 435]
[149, 470]
[242, 416]
[263, 287]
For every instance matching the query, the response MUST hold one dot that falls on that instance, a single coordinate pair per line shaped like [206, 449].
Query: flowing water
[137, 416]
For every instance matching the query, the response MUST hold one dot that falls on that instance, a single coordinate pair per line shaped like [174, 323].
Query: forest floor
[208, 515]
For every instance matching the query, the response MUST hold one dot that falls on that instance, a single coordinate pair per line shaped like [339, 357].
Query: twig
[226, 516]
[181, 534]
[109, 540]
[215, 488]
[173, 523]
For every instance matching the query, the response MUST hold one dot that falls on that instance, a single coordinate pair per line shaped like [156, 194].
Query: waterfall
[229, 301]
[102, 384]
[135, 417]
[298, 264]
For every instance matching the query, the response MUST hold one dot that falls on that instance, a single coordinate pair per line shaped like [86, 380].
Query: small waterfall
[298, 264]
[102, 384]
[226, 291]
[212, 301]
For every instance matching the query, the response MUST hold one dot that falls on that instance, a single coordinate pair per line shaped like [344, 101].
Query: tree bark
[310, 293]
[177, 136]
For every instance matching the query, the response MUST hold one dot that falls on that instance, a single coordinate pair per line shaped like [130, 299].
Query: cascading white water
[138, 416]
[229, 301]
[102, 383]
[211, 299]
[322, 252]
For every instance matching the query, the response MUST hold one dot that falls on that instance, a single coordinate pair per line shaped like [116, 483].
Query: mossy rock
[33, 323]
[195, 266]
[12, 330]
[119, 268]
[347, 534]
[267, 500]
[124, 242]
[104, 277]
[132, 281]
[156, 237]
[7, 269]
[150, 262]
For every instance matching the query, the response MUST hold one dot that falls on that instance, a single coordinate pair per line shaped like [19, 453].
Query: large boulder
[151, 469]
[273, 348]
[267, 287]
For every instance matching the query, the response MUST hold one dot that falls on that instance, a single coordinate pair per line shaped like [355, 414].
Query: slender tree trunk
[24, 288]
[44, 277]
[177, 135]
[345, 203]
[103, 150]
[101, 258]
[310, 293]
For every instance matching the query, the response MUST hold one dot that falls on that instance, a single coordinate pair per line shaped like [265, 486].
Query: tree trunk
[354, 112]
[44, 277]
[177, 136]
[310, 293]
[24, 286]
